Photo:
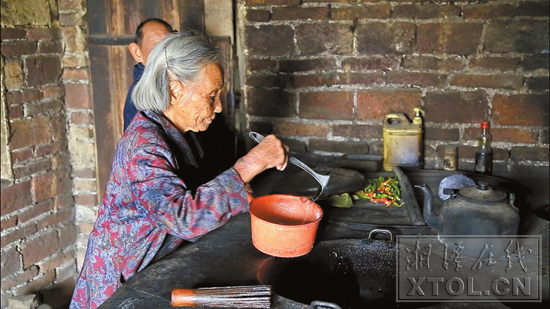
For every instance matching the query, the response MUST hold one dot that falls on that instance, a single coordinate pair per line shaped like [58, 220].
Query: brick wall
[45, 78]
[323, 74]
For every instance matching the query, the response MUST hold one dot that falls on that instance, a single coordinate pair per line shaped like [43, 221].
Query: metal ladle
[321, 179]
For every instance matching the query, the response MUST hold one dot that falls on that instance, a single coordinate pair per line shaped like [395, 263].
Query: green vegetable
[342, 200]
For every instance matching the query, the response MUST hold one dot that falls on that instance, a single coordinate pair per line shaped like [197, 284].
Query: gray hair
[180, 56]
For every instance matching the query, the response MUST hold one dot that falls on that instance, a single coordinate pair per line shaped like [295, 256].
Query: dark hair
[139, 30]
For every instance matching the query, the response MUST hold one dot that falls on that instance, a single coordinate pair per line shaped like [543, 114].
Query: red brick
[358, 131]
[61, 160]
[454, 63]
[262, 127]
[87, 199]
[461, 39]
[15, 112]
[36, 285]
[68, 235]
[11, 262]
[298, 13]
[456, 107]
[500, 154]
[495, 63]
[382, 38]
[56, 261]
[504, 81]
[19, 233]
[544, 138]
[318, 39]
[17, 48]
[261, 64]
[338, 146]
[81, 118]
[44, 33]
[425, 11]
[307, 65]
[464, 152]
[15, 197]
[421, 62]
[43, 107]
[378, 11]
[26, 276]
[539, 62]
[76, 74]
[532, 8]
[530, 154]
[46, 150]
[35, 211]
[59, 127]
[521, 109]
[258, 15]
[8, 222]
[23, 96]
[48, 185]
[271, 102]
[504, 135]
[271, 2]
[437, 134]
[31, 168]
[63, 201]
[300, 129]
[39, 248]
[270, 81]
[419, 79]
[21, 155]
[53, 92]
[375, 105]
[371, 63]
[270, 40]
[537, 83]
[69, 19]
[11, 33]
[28, 132]
[330, 79]
[326, 105]
[43, 70]
[77, 96]
[488, 11]
[66, 214]
[50, 47]
[522, 36]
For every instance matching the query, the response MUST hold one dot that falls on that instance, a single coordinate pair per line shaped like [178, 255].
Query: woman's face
[199, 112]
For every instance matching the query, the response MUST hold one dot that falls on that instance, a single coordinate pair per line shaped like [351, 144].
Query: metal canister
[450, 158]
[403, 145]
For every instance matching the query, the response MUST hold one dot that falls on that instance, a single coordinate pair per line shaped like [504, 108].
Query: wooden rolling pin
[250, 296]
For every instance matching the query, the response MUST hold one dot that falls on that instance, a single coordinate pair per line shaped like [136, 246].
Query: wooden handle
[183, 297]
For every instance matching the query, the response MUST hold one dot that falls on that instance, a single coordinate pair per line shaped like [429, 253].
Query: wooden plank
[105, 130]
[150, 9]
[119, 86]
[170, 12]
[98, 16]
[106, 39]
[191, 15]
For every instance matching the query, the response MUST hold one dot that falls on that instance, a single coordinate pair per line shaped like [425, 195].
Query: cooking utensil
[321, 179]
[284, 225]
[249, 296]
[352, 273]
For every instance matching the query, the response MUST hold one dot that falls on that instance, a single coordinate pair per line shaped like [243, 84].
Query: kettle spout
[430, 217]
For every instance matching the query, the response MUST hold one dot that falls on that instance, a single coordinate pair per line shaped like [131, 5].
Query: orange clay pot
[284, 225]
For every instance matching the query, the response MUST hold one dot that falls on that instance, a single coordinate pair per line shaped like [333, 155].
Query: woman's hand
[269, 153]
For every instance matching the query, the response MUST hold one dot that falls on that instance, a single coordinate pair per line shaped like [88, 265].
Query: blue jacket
[129, 107]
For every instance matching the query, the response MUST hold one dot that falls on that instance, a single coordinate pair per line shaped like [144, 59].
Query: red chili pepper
[382, 199]
[370, 194]
[380, 189]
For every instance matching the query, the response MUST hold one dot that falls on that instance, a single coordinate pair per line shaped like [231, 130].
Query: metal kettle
[476, 210]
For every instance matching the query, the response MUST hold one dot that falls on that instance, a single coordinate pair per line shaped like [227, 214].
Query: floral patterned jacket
[155, 199]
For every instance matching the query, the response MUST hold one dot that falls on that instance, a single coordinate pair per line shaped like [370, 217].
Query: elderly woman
[156, 198]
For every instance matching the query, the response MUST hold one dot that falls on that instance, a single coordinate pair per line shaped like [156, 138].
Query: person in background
[148, 33]
[159, 194]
